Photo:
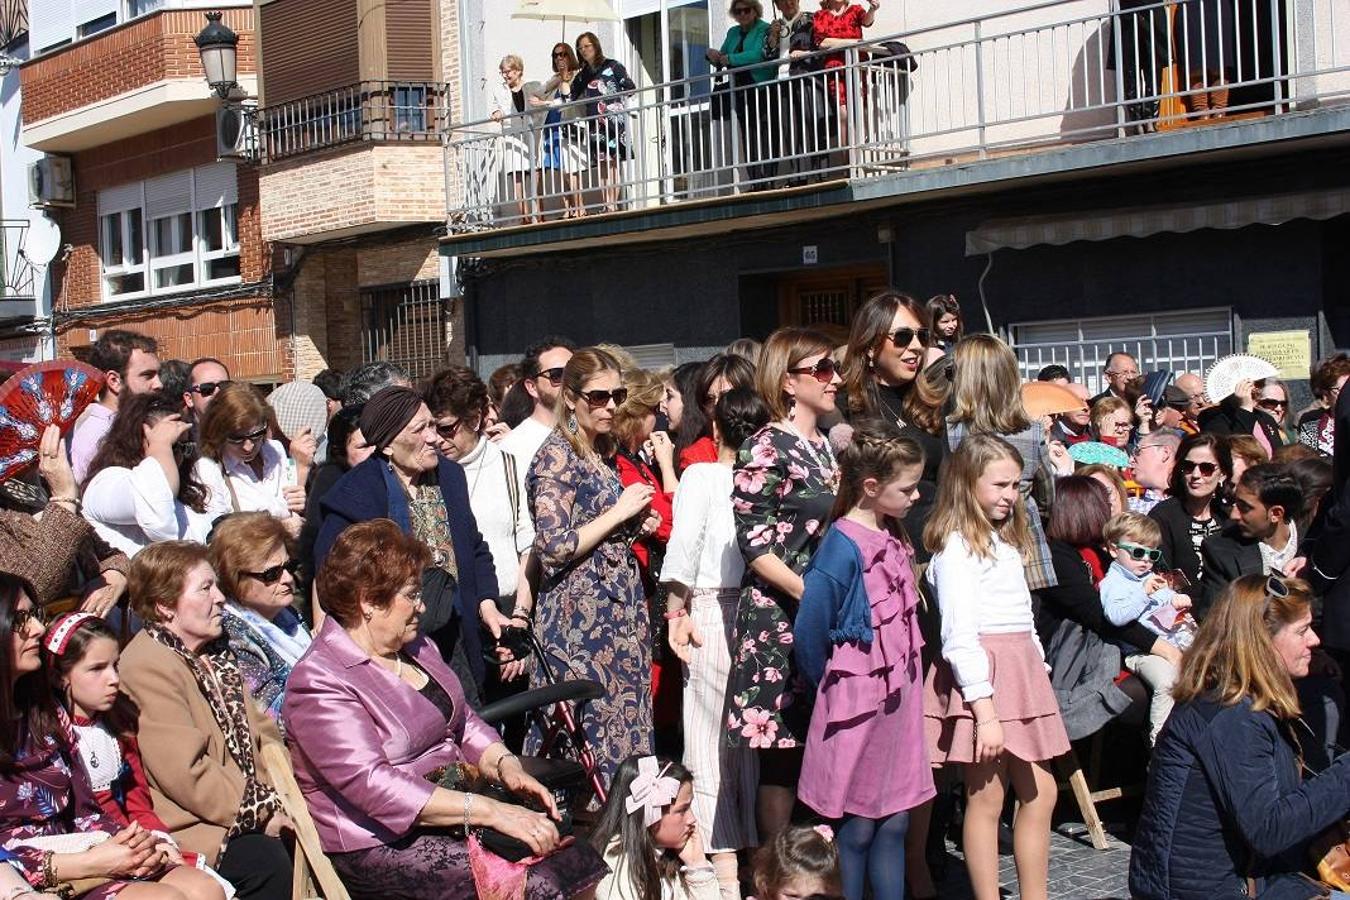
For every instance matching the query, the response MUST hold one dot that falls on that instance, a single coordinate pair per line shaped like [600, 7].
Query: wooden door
[826, 300]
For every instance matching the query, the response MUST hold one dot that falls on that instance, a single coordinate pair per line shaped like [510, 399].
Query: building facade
[159, 234]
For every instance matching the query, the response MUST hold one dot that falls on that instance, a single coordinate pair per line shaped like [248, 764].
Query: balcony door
[827, 299]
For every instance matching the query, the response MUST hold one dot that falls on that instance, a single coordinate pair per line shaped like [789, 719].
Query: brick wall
[245, 333]
[119, 60]
[352, 187]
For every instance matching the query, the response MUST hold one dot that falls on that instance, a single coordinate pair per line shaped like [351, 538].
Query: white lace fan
[1224, 376]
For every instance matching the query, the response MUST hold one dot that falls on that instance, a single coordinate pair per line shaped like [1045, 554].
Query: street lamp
[218, 46]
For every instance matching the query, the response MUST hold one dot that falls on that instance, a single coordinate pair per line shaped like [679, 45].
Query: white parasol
[562, 10]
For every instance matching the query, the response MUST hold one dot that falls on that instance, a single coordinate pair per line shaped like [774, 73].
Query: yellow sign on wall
[1288, 351]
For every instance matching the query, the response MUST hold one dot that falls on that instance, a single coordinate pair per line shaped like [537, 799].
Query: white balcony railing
[1017, 81]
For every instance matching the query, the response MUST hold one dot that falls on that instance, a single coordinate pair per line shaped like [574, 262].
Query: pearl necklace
[826, 462]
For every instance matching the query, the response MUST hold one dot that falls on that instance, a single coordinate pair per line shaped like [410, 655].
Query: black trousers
[258, 866]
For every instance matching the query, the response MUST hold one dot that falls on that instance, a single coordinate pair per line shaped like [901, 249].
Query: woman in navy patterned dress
[783, 488]
[592, 613]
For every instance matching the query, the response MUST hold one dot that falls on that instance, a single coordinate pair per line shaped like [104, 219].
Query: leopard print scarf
[217, 675]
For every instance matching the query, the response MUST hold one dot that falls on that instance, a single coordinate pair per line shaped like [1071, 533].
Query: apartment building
[1055, 165]
[160, 235]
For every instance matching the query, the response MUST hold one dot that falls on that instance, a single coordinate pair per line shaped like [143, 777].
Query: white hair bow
[650, 791]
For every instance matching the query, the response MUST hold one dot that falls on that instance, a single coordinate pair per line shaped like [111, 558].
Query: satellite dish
[43, 240]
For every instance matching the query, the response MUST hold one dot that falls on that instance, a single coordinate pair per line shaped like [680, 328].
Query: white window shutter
[126, 196]
[217, 185]
[88, 10]
[49, 23]
[168, 194]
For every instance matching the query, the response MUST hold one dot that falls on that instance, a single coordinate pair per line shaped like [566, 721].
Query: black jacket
[1177, 550]
[1224, 801]
[1328, 571]
[1225, 557]
[1230, 418]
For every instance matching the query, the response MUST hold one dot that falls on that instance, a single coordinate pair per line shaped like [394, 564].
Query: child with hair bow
[649, 837]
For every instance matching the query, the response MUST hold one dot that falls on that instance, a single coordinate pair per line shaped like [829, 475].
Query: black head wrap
[387, 413]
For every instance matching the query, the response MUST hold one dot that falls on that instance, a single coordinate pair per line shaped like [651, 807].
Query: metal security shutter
[127, 196]
[168, 194]
[308, 47]
[216, 185]
[1184, 341]
[653, 357]
[410, 41]
[50, 22]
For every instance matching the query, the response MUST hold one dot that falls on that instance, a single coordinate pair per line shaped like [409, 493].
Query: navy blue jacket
[1224, 801]
[834, 607]
[363, 494]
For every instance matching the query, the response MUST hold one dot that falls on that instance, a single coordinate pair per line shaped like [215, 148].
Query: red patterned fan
[48, 393]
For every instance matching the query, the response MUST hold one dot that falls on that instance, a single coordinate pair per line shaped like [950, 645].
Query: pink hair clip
[824, 831]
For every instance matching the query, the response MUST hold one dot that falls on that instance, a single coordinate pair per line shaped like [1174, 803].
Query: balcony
[1039, 92]
[131, 79]
[355, 160]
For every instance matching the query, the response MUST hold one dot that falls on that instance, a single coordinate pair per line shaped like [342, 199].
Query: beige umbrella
[562, 10]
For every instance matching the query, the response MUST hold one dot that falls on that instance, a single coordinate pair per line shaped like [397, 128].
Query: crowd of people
[822, 589]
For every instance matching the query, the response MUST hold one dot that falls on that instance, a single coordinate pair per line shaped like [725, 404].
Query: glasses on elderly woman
[272, 574]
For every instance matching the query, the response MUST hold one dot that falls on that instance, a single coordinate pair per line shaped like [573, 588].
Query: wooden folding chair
[311, 865]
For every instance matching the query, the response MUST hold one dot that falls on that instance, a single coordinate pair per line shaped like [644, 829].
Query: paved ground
[1077, 871]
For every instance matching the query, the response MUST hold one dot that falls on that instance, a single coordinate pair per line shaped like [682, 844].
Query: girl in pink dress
[857, 637]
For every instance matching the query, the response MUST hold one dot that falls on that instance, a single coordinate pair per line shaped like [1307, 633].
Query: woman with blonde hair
[784, 485]
[1112, 421]
[987, 399]
[592, 616]
[1228, 811]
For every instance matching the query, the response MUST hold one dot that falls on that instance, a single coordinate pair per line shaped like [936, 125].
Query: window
[142, 7]
[171, 233]
[102, 23]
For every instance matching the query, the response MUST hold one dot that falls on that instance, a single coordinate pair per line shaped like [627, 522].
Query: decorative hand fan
[1223, 377]
[1041, 398]
[1088, 452]
[48, 393]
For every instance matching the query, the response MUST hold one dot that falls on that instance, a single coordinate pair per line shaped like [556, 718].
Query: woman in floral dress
[50, 823]
[783, 489]
[605, 82]
[592, 613]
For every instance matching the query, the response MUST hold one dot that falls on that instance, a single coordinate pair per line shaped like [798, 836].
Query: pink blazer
[362, 740]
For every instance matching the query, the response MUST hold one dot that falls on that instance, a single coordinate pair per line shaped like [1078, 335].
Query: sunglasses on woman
[448, 430]
[24, 616]
[1270, 405]
[599, 399]
[1152, 554]
[1205, 469]
[903, 337]
[272, 574]
[253, 436]
[823, 371]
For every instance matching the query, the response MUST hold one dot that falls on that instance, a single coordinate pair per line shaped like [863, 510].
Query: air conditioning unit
[237, 132]
[51, 182]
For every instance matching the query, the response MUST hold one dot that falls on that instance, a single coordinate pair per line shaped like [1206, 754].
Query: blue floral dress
[782, 491]
[47, 797]
[591, 616]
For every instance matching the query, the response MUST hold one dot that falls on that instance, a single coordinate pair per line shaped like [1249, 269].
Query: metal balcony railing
[368, 111]
[1011, 82]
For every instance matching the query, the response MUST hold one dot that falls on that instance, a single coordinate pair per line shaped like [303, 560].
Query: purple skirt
[1023, 699]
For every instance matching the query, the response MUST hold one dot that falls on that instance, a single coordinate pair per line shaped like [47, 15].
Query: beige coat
[194, 783]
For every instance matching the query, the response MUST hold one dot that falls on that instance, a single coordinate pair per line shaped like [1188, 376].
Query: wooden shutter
[411, 40]
[308, 47]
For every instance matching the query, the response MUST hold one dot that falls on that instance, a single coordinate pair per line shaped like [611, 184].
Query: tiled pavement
[1077, 871]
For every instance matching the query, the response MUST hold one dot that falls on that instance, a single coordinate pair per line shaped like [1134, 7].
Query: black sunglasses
[741, 10]
[1206, 469]
[598, 399]
[448, 430]
[554, 375]
[255, 436]
[558, 54]
[24, 616]
[1272, 403]
[823, 371]
[903, 337]
[272, 574]
[1152, 554]
[207, 388]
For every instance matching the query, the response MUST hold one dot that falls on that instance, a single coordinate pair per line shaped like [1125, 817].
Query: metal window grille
[1188, 341]
[405, 324]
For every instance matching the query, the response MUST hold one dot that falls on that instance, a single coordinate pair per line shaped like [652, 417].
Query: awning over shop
[1143, 221]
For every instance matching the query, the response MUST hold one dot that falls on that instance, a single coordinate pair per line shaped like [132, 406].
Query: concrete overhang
[1047, 164]
[139, 111]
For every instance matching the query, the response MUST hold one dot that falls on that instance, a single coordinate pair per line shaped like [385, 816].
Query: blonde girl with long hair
[988, 702]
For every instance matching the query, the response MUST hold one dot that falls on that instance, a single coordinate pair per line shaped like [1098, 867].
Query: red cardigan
[634, 471]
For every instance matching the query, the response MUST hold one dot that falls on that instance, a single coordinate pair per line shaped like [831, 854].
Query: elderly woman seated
[374, 712]
[252, 556]
[200, 733]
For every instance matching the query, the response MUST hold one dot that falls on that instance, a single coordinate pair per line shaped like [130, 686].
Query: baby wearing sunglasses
[1130, 591]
